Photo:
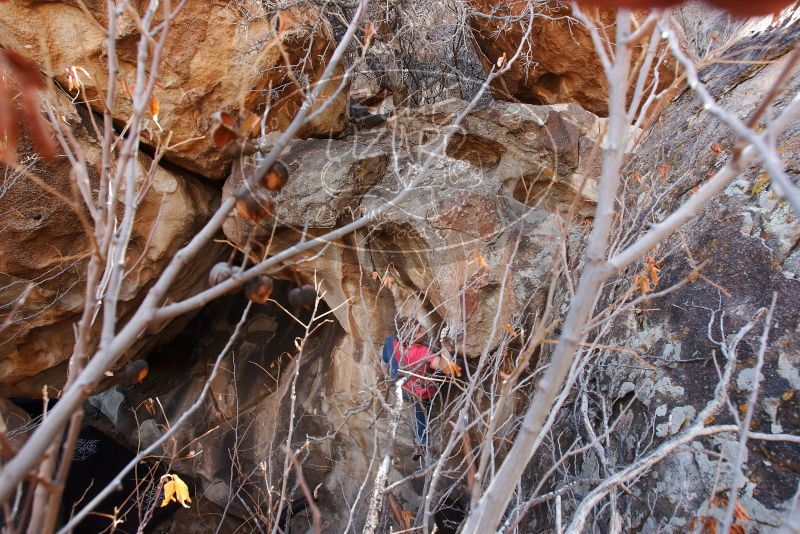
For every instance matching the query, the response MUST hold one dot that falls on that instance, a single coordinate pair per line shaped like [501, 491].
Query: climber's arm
[445, 363]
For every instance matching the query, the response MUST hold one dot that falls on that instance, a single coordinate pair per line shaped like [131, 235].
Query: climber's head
[419, 334]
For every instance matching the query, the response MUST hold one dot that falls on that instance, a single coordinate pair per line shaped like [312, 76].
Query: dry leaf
[155, 108]
[150, 407]
[451, 368]
[739, 513]
[643, 284]
[408, 519]
[653, 270]
[275, 177]
[707, 524]
[480, 258]
[175, 490]
[254, 206]
[507, 328]
[369, 34]
[224, 129]
[501, 61]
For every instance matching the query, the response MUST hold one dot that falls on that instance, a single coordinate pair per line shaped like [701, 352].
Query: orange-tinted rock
[216, 58]
[561, 65]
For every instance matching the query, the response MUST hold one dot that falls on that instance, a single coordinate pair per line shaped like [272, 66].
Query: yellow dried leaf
[175, 490]
[480, 258]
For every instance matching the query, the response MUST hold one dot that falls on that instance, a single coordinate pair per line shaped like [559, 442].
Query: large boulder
[489, 201]
[558, 62]
[217, 57]
[44, 252]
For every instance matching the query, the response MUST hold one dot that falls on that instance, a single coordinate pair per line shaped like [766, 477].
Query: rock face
[473, 247]
[488, 201]
[218, 57]
[559, 63]
[44, 247]
[747, 241]
[502, 176]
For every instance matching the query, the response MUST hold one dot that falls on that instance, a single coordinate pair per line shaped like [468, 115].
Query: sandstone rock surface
[218, 56]
[44, 249]
[501, 178]
[559, 63]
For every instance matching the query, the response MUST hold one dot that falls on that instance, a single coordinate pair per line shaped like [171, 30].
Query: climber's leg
[421, 430]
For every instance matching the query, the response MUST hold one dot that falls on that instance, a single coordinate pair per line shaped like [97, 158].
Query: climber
[415, 360]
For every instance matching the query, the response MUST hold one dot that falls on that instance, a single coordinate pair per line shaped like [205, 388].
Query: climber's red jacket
[416, 362]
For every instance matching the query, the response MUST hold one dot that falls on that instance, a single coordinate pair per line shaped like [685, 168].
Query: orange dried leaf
[653, 270]
[642, 283]
[369, 33]
[664, 169]
[739, 513]
[150, 406]
[707, 524]
[408, 519]
[507, 328]
[223, 131]
[155, 107]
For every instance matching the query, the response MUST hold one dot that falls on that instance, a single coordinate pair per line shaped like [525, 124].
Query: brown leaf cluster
[650, 278]
[706, 524]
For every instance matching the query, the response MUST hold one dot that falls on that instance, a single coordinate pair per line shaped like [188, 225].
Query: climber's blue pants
[421, 409]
